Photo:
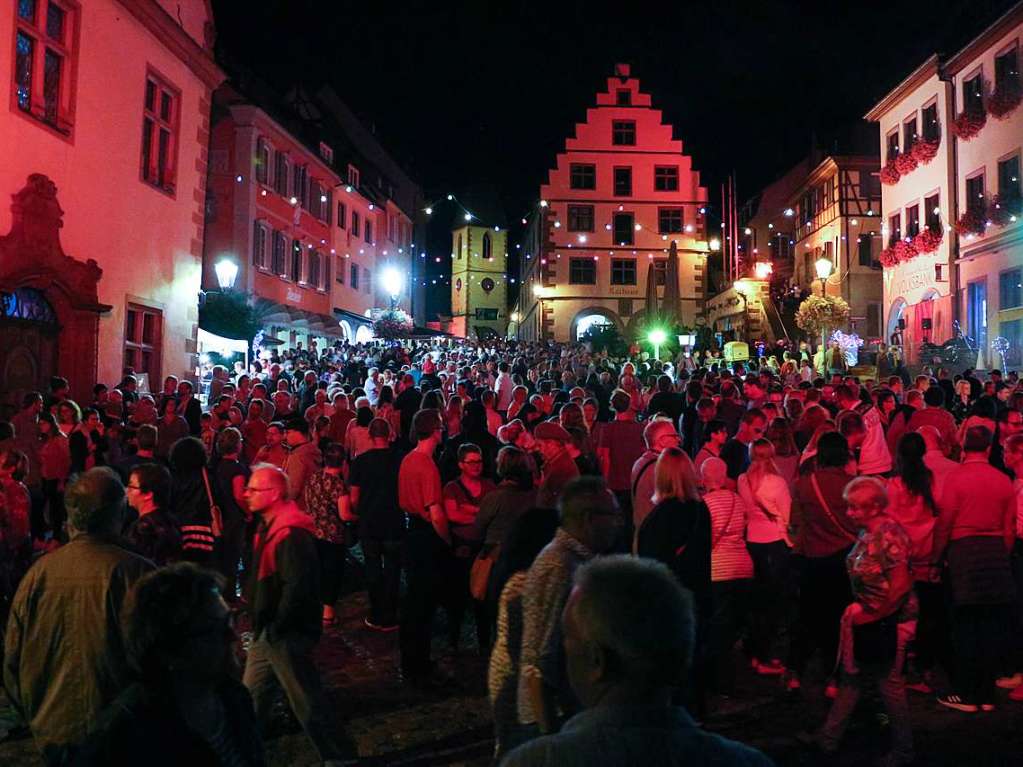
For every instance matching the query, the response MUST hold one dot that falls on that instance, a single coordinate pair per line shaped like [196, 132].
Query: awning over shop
[271, 313]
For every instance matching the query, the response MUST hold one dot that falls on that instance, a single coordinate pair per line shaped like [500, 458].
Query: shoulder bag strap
[217, 522]
[728, 524]
[827, 509]
[642, 472]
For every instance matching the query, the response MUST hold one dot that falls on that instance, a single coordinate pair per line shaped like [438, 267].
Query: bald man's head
[267, 487]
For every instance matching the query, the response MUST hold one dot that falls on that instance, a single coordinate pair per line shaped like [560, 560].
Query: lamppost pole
[824, 268]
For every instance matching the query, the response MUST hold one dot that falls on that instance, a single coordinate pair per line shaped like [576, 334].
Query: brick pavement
[393, 725]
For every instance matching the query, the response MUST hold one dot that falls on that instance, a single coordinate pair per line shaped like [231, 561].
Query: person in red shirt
[426, 545]
[975, 532]
[621, 444]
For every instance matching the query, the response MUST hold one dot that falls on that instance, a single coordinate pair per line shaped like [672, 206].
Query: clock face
[458, 284]
[487, 284]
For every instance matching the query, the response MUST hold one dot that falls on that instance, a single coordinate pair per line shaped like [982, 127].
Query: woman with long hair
[357, 439]
[786, 454]
[911, 503]
[766, 494]
[677, 529]
[387, 411]
[453, 416]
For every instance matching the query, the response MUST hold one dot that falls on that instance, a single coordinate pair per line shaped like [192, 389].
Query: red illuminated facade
[104, 121]
[617, 197]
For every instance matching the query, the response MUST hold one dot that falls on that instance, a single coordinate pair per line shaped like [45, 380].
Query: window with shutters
[279, 263]
[300, 185]
[282, 170]
[262, 161]
[932, 212]
[160, 133]
[355, 224]
[295, 264]
[354, 277]
[45, 61]
[143, 340]
[369, 231]
[342, 215]
[912, 220]
[313, 273]
[260, 244]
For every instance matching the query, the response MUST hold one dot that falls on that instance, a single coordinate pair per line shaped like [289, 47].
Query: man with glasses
[284, 601]
[735, 453]
[154, 534]
[658, 435]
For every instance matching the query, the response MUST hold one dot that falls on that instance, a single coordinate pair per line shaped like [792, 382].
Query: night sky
[484, 92]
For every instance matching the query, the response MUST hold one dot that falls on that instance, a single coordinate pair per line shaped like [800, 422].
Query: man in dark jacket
[284, 591]
[74, 593]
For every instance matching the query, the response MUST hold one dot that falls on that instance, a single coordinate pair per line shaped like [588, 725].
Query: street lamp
[392, 282]
[657, 336]
[227, 273]
[823, 267]
[540, 291]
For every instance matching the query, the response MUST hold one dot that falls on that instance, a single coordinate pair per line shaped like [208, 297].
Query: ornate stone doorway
[49, 322]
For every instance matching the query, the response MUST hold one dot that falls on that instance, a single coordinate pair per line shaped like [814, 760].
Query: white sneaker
[1010, 682]
[957, 703]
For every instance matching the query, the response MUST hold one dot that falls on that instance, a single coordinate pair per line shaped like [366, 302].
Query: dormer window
[623, 97]
[353, 176]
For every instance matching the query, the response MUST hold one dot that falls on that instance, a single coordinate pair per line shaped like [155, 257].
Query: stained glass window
[27, 304]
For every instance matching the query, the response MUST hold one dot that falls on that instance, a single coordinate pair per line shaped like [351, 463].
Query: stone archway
[593, 315]
[32, 258]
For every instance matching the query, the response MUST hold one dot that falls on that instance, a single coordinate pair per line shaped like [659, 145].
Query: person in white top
[503, 386]
[874, 455]
[769, 504]
[372, 386]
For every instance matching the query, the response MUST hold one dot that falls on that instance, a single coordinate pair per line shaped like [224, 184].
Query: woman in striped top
[731, 570]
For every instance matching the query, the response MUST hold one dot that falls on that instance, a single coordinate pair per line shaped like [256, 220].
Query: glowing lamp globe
[227, 273]
[657, 336]
[763, 270]
[392, 281]
[823, 267]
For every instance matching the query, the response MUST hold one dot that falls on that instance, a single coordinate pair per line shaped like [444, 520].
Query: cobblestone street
[394, 725]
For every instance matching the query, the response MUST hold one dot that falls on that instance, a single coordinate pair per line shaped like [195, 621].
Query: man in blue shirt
[628, 639]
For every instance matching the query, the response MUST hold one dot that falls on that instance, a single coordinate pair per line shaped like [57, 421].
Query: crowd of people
[613, 528]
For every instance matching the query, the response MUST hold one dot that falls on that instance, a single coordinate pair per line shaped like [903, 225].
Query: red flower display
[968, 124]
[905, 163]
[1003, 101]
[888, 258]
[927, 241]
[973, 221]
[904, 251]
[924, 151]
[890, 174]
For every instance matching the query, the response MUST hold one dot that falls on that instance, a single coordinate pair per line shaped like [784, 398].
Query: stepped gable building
[105, 127]
[617, 197]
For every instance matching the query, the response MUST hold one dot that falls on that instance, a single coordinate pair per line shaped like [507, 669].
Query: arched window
[486, 246]
[458, 253]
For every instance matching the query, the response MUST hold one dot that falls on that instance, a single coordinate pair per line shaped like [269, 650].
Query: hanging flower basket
[968, 124]
[904, 251]
[924, 151]
[890, 174]
[973, 221]
[888, 258]
[1003, 101]
[905, 163]
[927, 241]
[394, 323]
[819, 313]
[1003, 210]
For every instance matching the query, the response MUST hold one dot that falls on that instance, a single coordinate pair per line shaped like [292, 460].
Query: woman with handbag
[767, 497]
[878, 568]
[731, 571]
[462, 498]
[824, 537]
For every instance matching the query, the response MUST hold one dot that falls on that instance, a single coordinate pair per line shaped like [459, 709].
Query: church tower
[479, 281]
